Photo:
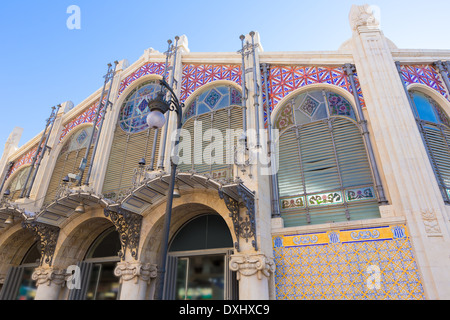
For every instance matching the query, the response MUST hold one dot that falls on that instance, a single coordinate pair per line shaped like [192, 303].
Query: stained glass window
[213, 99]
[133, 115]
[324, 174]
[218, 108]
[312, 106]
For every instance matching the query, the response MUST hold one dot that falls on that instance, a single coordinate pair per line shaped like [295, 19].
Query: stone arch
[123, 96]
[312, 87]
[188, 206]
[14, 244]
[14, 175]
[208, 86]
[434, 94]
[77, 235]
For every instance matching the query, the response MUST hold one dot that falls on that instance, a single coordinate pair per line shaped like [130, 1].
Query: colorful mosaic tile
[292, 203]
[146, 69]
[423, 74]
[283, 80]
[366, 263]
[325, 199]
[358, 194]
[85, 117]
[196, 75]
[24, 159]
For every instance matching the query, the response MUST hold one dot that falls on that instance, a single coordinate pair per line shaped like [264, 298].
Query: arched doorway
[197, 267]
[19, 284]
[98, 281]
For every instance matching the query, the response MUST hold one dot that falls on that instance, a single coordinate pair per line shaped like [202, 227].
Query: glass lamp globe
[156, 119]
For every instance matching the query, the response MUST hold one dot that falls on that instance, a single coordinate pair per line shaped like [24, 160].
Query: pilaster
[48, 161]
[106, 137]
[414, 192]
[254, 262]
[174, 78]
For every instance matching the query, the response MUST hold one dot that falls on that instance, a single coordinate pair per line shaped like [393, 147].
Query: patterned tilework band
[368, 263]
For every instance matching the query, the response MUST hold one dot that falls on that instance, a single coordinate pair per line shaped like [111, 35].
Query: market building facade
[301, 175]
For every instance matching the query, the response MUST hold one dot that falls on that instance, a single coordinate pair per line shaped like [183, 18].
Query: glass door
[200, 277]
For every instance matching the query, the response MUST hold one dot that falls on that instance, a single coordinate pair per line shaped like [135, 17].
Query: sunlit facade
[301, 175]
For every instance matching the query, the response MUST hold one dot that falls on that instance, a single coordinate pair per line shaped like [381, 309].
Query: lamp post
[156, 120]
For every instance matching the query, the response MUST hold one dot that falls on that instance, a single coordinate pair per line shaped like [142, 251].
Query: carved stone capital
[250, 264]
[362, 16]
[128, 271]
[49, 275]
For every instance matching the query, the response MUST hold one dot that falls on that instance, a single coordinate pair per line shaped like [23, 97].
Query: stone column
[49, 282]
[412, 185]
[253, 273]
[253, 259]
[135, 278]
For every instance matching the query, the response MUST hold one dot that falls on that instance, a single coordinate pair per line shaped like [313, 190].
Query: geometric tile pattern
[358, 264]
[423, 74]
[85, 117]
[24, 159]
[282, 80]
[196, 75]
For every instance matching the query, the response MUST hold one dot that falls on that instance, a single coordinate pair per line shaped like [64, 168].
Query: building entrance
[197, 266]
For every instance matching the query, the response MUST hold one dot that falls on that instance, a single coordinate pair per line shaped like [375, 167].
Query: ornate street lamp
[156, 120]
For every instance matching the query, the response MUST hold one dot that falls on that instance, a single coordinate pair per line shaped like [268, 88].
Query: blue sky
[43, 63]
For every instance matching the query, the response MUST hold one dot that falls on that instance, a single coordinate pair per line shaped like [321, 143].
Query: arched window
[324, 173]
[133, 140]
[214, 115]
[69, 160]
[434, 125]
[16, 185]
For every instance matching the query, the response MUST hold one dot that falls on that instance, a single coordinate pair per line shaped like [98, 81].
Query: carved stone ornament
[136, 271]
[362, 16]
[250, 264]
[430, 222]
[49, 275]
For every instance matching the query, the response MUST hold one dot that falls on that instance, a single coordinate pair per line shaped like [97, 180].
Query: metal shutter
[85, 270]
[126, 151]
[222, 120]
[12, 283]
[65, 164]
[170, 279]
[323, 157]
